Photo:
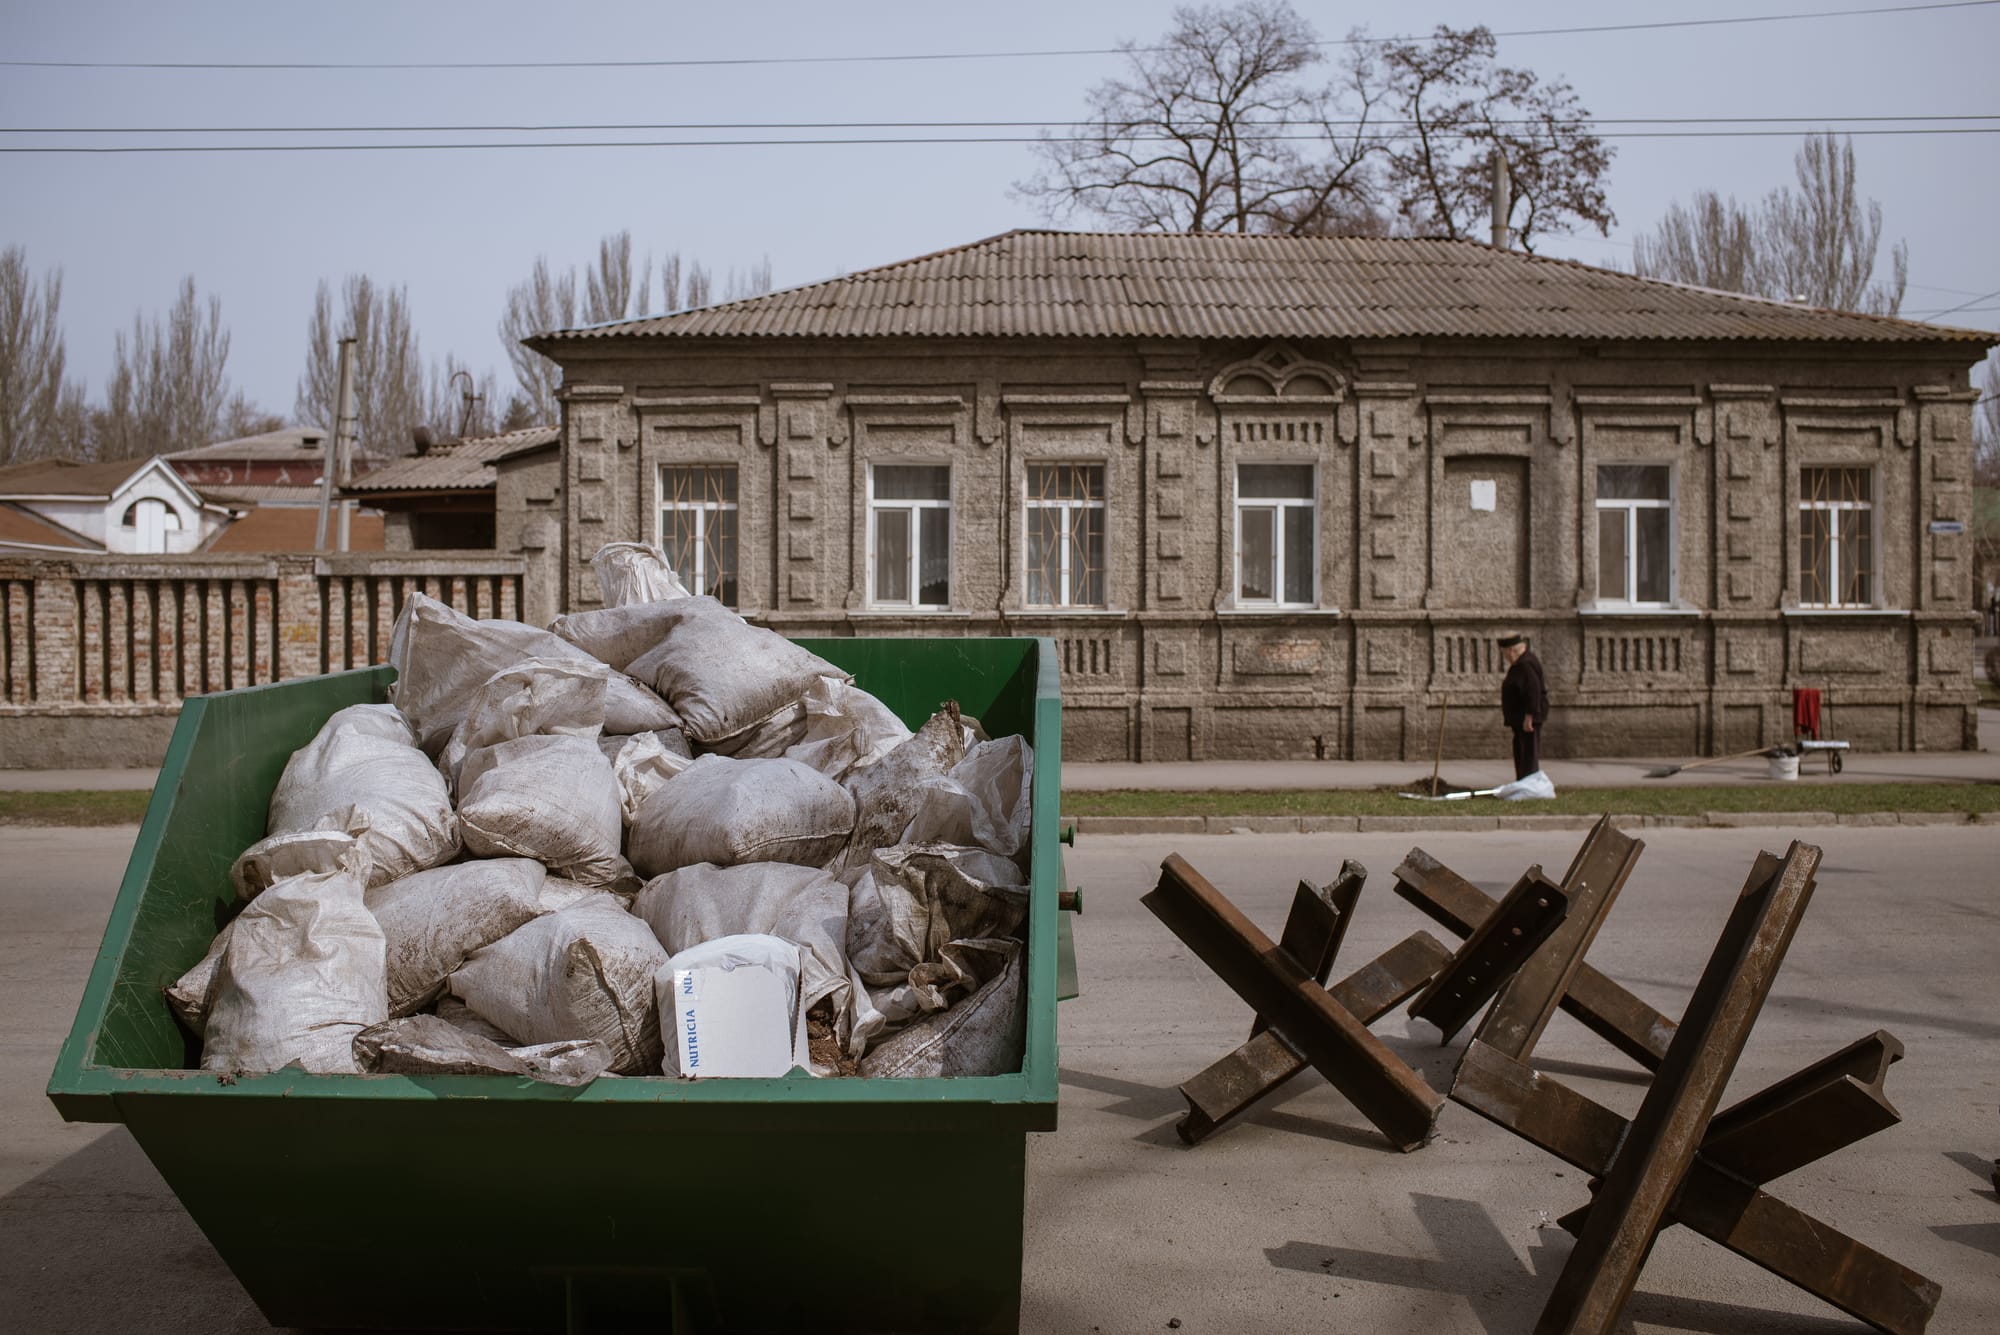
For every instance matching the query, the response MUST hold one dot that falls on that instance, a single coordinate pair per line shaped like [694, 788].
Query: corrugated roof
[1225, 285]
[455, 465]
[22, 526]
[287, 443]
[288, 528]
[66, 477]
[257, 494]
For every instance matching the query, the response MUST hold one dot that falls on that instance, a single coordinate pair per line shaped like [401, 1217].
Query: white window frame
[1631, 507]
[1834, 509]
[696, 579]
[1064, 511]
[876, 507]
[1278, 505]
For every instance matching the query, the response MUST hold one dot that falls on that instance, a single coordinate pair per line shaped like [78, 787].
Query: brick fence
[96, 653]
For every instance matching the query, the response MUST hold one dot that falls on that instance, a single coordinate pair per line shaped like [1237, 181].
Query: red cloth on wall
[1805, 712]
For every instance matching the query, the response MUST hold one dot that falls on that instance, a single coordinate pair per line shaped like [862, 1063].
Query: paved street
[1297, 1218]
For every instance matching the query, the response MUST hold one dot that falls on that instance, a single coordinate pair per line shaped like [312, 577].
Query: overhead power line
[859, 141]
[884, 58]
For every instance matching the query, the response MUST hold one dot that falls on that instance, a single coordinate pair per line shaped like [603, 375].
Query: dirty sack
[642, 762]
[442, 657]
[913, 898]
[189, 995]
[583, 973]
[553, 799]
[433, 919]
[802, 905]
[728, 811]
[723, 675]
[461, 1016]
[635, 572]
[1536, 787]
[275, 857]
[428, 1045]
[302, 974]
[619, 635]
[983, 802]
[537, 697]
[363, 775]
[730, 1007]
[980, 1035]
[844, 729]
[887, 792]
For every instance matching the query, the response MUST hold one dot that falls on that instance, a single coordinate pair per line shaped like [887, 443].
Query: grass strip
[121, 807]
[1838, 797]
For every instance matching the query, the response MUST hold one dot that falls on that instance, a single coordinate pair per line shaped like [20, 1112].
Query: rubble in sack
[363, 775]
[553, 799]
[620, 634]
[432, 920]
[303, 973]
[642, 762]
[724, 676]
[426, 1045]
[731, 1007]
[585, 972]
[845, 729]
[728, 811]
[573, 1061]
[981, 1035]
[442, 657]
[887, 792]
[534, 698]
[294, 853]
[634, 572]
[189, 995]
[461, 1016]
[914, 898]
[985, 801]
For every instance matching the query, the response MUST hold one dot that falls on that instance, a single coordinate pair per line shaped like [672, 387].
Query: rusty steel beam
[1232, 1085]
[1503, 942]
[1805, 1117]
[1529, 999]
[1661, 1145]
[1377, 1082]
[1317, 924]
[1602, 1006]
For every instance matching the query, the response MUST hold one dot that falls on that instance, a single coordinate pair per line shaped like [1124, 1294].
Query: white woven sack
[553, 799]
[363, 776]
[846, 729]
[980, 1035]
[728, 811]
[617, 635]
[275, 857]
[586, 972]
[642, 762]
[914, 898]
[886, 793]
[635, 572]
[302, 975]
[431, 921]
[985, 801]
[723, 675]
[535, 697]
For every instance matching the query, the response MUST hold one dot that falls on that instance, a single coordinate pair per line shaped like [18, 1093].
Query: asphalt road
[1299, 1217]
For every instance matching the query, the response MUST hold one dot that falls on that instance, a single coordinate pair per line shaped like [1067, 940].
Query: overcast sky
[458, 227]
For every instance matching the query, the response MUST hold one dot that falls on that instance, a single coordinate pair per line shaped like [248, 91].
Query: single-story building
[272, 481]
[136, 506]
[1280, 496]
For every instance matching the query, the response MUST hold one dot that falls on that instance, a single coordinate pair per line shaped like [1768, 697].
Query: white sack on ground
[984, 801]
[913, 898]
[278, 856]
[802, 905]
[303, 974]
[981, 1035]
[730, 1007]
[461, 1016]
[846, 729]
[552, 799]
[728, 811]
[363, 775]
[642, 762]
[442, 657]
[432, 920]
[723, 675]
[586, 972]
[635, 572]
[190, 994]
[886, 793]
[1536, 787]
[536, 697]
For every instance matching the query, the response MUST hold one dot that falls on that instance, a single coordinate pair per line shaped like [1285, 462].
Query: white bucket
[1784, 765]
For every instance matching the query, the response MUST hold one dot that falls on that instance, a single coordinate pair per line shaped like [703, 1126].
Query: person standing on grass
[1524, 702]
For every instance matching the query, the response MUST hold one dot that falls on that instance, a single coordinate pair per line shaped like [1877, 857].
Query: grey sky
[261, 229]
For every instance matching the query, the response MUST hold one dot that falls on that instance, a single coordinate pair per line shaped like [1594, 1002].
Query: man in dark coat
[1524, 702]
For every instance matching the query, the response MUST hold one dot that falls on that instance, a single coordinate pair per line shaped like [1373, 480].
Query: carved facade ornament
[1562, 415]
[1278, 373]
[986, 426]
[1740, 413]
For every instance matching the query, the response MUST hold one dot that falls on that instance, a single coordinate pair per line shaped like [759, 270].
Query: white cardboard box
[730, 1007]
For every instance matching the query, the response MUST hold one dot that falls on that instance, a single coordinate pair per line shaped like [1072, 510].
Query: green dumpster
[488, 1203]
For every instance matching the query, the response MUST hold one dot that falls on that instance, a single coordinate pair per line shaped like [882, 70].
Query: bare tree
[546, 300]
[1813, 242]
[388, 372]
[754, 281]
[39, 410]
[1456, 107]
[169, 383]
[1203, 133]
[241, 417]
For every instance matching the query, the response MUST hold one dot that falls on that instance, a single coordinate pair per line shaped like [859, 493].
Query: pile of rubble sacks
[652, 839]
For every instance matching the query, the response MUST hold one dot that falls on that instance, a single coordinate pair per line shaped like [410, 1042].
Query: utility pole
[337, 466]
[1503, 202]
